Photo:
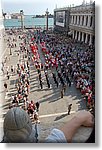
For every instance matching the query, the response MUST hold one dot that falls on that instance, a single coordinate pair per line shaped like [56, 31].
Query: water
[28, 22]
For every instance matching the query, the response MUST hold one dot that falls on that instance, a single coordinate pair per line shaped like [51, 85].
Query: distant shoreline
[40, 17]
[28, 22]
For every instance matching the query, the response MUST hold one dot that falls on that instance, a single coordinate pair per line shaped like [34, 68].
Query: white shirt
[56, 136]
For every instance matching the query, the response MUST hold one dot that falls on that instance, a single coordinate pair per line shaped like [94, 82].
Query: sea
[29, 22]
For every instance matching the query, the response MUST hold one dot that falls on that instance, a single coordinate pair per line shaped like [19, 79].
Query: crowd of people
[72, 62]
[66, 60]
[22, 70]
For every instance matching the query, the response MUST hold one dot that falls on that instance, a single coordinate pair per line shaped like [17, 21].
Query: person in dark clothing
[62, 93]
[64, 88]
[54, 76]
[8, 76]
[48, 83]
[37, 106]
[55, 80]
[56, 83]
[5, 86]
[39, 76]
[41, 85]
[69, 108]
[69, 83]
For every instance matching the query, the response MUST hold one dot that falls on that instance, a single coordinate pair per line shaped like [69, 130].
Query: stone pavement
[53, 109]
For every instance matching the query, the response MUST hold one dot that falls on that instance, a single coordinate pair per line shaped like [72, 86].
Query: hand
[85, 118]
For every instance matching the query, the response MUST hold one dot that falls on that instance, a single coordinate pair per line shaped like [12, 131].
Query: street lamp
[47, 19]
[22, 22]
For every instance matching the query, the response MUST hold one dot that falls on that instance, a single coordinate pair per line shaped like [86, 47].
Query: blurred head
[18, 127]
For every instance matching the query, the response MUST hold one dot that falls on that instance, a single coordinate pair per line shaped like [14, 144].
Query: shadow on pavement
[60, 117]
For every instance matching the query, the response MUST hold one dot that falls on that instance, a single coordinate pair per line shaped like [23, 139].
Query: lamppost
[47, 19]
[22, 22]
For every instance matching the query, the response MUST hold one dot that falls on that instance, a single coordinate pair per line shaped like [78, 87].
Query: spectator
[37, 106]
[5, 86]
[67, 131]
[18, 127]
[69, 108]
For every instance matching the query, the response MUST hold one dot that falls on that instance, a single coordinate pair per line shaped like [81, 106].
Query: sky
[33, 7]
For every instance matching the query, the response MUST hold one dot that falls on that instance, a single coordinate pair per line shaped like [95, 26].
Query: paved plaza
[53, 109]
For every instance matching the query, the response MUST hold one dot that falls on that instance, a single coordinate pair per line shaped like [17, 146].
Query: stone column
[79, 36]
[80, 20]
[73, 34]
[89, 17]
[22, 19]
[77, 19]
[76, 35]
[71, 19]
[74, 19]
[86, 38]
[90, 42]
[84, 21]
[82, 37]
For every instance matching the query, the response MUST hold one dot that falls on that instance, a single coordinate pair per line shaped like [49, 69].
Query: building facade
[80, 23]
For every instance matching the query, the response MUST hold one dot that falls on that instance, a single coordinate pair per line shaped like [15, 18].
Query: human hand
[85, 118]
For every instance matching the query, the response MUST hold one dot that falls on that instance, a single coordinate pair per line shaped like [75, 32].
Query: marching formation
[55, 58]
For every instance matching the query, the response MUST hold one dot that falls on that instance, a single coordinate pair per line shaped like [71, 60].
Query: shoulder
[56, 136]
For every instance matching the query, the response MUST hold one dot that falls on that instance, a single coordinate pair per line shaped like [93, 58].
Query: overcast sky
[34, 7]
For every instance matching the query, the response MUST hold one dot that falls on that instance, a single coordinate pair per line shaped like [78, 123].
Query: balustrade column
[89, 19]
[82, 37]
[76, 35]
[73, 34]
[84, 20]
[86, 38]
[79, 36]
[90, 42]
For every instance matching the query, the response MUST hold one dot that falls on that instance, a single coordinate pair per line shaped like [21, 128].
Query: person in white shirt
[18, 128]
